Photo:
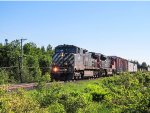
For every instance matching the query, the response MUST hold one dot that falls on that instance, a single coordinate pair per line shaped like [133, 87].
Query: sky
[111, 28]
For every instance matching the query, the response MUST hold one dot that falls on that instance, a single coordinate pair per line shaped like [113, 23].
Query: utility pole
[22, 52]
[21, 59]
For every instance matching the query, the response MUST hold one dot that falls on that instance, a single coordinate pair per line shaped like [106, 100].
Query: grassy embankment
[123, 93]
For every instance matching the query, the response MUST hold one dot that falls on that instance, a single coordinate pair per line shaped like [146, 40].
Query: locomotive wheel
[99, 74]
[82, 76]
[75, 77]
[113, 72]
[69, 76]
[106, 74]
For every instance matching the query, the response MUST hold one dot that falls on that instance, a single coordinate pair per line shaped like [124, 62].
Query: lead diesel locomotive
[71, 62]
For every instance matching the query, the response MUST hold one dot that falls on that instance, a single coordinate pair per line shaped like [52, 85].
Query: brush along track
[31, 86]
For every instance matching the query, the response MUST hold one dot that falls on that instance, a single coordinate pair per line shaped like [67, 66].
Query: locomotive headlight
[55, 69]
[62, 54]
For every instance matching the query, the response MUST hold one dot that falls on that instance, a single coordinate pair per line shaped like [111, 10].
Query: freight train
[72, 62]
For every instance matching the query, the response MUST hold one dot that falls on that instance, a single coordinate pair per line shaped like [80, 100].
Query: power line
[26, 67]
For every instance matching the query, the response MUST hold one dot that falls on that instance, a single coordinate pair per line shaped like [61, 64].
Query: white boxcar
[132, 67]
[135, 68]
[148, 68]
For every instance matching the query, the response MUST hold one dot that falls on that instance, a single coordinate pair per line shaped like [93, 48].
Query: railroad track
[25, 86]
[31, 86]
[14, 87]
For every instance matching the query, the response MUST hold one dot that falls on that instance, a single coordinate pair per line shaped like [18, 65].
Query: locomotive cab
[63, 62]
[67, 49]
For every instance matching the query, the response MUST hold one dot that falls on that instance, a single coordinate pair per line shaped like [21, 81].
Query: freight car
[132, 67]
[121, 64]
[148, 68]
[71, 62]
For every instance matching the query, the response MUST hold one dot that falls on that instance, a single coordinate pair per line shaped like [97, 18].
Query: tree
[49, 47]
[44, 62]
[9, 54]
[43, 49]
[36, 60]
[32, 69]
[30, 48]
[144, 65]
[1, 45]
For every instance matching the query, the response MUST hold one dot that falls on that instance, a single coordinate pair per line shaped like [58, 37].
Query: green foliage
[44, 62]
[73, 103]
[129, 92]
[47, 77]
[56, 108]
[4, 78]
[17, 102]
[42, 80]
[118, 94]
[94, 107]
[36, 61]
[97, 92]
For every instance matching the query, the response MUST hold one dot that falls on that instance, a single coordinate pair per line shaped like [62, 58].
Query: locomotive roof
[98, 54]
[66, 45]
[114, 57]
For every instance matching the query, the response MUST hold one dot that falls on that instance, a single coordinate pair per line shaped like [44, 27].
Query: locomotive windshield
[65, 49]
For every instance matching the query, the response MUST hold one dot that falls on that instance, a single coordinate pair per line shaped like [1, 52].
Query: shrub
[46, 96]
[98, 97]
[73, 104]
[4, 78]
[17, 102]
[97, 92]
[47, 77]
[56, 108]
